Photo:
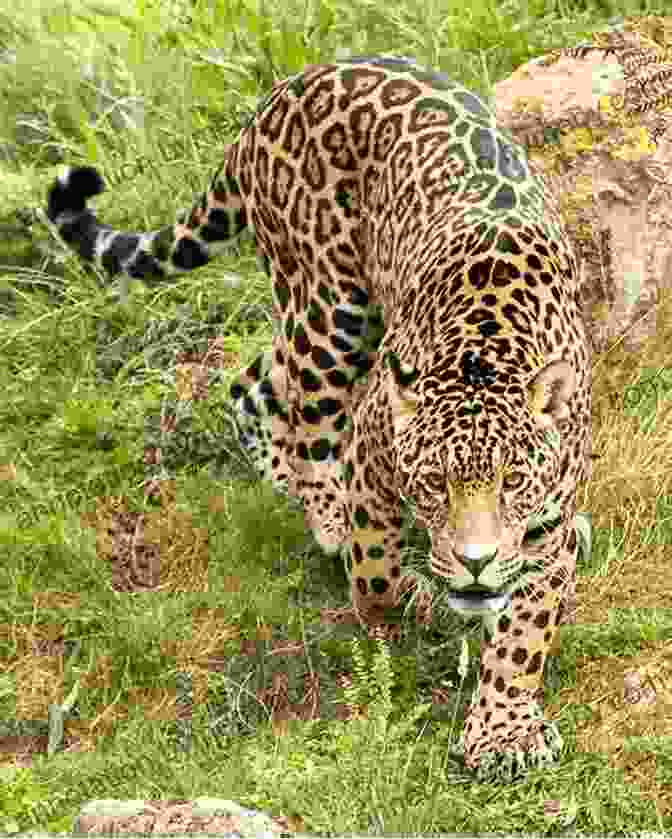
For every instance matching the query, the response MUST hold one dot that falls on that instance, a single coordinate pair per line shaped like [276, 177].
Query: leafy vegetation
[162, 632]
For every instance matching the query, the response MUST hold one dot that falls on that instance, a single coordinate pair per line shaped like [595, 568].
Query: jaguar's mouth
[478, 602]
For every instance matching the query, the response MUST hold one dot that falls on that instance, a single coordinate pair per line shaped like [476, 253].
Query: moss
[528, 105]
[577, 141]
[638, 144]
[571, 205]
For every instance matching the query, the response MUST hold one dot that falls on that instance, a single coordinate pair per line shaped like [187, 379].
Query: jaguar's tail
[217, 219]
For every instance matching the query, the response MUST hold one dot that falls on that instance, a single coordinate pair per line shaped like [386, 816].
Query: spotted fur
[430, 349]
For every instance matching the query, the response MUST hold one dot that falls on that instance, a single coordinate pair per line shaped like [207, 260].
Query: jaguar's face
[475, 488]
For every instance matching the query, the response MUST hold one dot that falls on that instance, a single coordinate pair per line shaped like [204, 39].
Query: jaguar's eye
[435, 482]
[513, 480]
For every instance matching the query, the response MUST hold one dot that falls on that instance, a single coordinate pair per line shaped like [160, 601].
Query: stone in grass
[597, 123]
[203, 815]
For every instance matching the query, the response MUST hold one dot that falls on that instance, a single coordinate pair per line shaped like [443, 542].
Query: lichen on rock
[597, 122]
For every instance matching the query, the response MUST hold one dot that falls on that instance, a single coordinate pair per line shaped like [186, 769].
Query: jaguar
[429, 350]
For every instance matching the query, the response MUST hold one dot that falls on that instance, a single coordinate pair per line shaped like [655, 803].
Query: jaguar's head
[480, 469]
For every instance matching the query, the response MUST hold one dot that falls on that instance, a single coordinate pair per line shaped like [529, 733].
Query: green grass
[89, 391]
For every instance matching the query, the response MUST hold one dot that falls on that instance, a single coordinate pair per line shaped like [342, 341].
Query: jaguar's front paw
[527, 740]
[322, 497]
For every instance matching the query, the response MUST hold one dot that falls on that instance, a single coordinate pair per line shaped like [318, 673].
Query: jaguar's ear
[549, 391]
[403, 399]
